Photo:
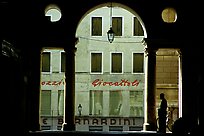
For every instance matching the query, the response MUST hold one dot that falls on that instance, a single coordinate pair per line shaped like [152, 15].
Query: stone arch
[116, 4]
[126, 8]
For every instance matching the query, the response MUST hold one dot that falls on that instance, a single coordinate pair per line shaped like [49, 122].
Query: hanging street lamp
[110, 32]
[110, 35]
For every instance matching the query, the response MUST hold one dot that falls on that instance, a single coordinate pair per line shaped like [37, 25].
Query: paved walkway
[98, 133]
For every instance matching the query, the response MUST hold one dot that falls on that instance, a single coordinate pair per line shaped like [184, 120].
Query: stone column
[150, 88]
[69, 113]
[192, 85]
[180, 84]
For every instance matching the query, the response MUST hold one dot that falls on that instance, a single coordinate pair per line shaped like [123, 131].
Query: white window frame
[133, 24]
[122, 25]
[111, 63]
[60, 65]
[92, 26]
[50, 62]
[143, 63]
[101, 64]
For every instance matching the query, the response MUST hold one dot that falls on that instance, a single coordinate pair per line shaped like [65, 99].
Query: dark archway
[29, 31]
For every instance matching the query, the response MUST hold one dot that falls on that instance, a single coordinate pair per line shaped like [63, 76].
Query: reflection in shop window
[115, 103]
[96, 102]
[46, 102]
[136, 103]
[60, 102]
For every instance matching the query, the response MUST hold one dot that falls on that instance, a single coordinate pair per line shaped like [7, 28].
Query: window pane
[138, 31]
[45, 62]
[96, 62]
[96, 102]
[117, 25]
[115, 102]
[45, 102]
[96, 26]
[138, 62]
[63, 62]
[116, 63]
[136, 103]
[60, 102]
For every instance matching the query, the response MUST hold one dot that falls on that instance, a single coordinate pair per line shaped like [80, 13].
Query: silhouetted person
[162, 114]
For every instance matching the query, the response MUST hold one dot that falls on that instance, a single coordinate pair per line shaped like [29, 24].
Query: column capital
[150, 51]
[72, 48]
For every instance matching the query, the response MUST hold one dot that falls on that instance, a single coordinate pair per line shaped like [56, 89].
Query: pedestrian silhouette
[162, 112]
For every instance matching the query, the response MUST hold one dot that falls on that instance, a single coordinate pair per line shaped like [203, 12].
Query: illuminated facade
[109, 77]
[35, 102]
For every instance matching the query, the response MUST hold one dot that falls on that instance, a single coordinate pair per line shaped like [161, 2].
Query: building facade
[109, 77]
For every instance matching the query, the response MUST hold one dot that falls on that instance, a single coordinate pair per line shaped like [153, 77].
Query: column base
[68, 127]
[149, 127]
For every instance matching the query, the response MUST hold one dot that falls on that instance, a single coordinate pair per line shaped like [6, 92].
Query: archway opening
[110, 77]
[168, 76]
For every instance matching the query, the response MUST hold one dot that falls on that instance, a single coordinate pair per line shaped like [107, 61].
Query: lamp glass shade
[110, 35]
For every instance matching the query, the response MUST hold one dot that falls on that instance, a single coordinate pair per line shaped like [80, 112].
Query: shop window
[61, 102]
[46, 62]
[96, 26]
[117, 25]
[45, 102]
[138, 62]
[96, 62]
[136, 103]
[96, 102]
[116, 62]
[115, 103]
[138, 30]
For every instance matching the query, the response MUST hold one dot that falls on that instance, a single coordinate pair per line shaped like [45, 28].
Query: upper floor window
[46, 62]
[116, 62]
[117, 25]
[137, 30]
[96, 26]
[138, 62]
[96, 62]
[63, 61]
